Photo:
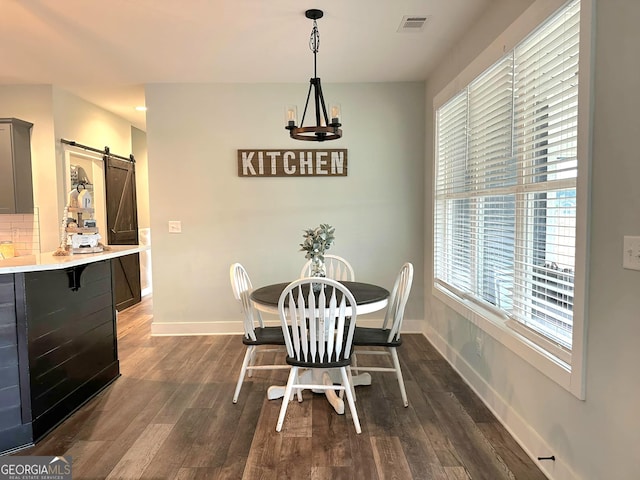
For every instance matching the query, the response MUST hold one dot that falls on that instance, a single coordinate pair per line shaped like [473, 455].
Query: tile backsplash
[23, 230]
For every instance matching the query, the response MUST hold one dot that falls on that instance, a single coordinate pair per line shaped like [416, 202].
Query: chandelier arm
[306, 104]
[322, 104]
[317, 93]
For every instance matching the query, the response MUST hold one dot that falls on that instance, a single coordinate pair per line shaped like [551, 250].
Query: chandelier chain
[314, 40]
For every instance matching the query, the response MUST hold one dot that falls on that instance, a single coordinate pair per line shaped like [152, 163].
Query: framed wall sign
[293, 163]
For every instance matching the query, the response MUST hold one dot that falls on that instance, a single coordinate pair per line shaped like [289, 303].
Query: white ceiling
[105, 51]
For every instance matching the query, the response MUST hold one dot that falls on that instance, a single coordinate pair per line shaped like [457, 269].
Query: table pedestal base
[329, 377]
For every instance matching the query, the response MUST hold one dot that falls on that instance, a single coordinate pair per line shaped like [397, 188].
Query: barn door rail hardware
[105, 151]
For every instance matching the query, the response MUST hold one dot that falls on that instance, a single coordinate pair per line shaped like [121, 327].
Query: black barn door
[122, 228]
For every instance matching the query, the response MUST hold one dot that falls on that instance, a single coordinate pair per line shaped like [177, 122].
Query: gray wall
[58, 114]
[34, 103]
[193, 132]
[598, 438]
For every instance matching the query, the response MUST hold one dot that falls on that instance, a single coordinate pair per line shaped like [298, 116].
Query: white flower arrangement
[317, 241]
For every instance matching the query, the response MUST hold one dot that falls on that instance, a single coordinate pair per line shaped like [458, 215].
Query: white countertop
[48, 261]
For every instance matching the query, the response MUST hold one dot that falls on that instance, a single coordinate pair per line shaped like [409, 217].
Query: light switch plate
[631, 253]
[175, 226]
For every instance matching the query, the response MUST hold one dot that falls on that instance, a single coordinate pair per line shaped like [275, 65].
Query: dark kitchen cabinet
[58, 347]
[16, 184]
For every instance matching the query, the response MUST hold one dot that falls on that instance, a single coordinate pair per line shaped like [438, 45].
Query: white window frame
[568, 370]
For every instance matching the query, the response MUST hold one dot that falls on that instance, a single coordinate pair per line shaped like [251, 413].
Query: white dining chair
[388, 336]
[336, 267]
[318, 336]
[256, 335]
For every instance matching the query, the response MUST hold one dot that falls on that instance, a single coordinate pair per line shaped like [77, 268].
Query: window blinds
[505, 188]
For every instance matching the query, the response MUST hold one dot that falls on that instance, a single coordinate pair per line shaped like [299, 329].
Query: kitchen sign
[293, 163]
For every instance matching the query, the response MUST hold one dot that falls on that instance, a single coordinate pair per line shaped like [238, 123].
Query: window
[505, 205]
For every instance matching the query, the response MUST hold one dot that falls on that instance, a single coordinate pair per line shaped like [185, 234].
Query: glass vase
[317, 270]
[317, 267]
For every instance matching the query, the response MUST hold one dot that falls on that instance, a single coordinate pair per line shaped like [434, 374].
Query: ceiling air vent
[413, 23]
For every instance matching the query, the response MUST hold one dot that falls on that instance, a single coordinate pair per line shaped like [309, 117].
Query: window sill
[497, 327]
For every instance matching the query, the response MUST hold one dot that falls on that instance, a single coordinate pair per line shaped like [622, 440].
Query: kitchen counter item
[7, 250]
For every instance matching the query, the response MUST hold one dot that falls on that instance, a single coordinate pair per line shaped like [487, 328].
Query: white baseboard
[520, 430]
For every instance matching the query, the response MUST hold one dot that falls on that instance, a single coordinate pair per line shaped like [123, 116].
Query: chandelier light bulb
[291, 115]
[335, 114]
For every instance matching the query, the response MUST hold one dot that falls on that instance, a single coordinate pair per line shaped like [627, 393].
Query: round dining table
[369, 298]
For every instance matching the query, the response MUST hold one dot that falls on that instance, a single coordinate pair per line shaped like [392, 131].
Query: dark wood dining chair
[388, 336]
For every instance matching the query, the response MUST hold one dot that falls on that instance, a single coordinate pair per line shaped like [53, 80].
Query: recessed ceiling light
[141, 108]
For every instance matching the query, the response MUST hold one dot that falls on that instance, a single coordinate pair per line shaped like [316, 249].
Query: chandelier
[323, 129]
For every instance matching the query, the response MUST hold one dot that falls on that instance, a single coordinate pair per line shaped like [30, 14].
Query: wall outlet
[631, 253]
[175, 226]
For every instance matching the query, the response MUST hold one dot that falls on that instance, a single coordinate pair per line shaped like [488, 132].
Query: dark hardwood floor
[170, 416]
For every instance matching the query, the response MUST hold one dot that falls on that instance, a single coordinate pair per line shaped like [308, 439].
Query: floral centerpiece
[317, 241]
